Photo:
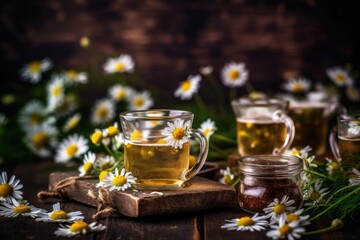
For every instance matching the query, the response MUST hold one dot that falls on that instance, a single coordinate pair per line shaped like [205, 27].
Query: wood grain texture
[199, 194]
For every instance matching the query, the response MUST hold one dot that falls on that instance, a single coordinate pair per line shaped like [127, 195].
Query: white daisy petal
[188, 87]
[234, 74]
[9, 190]
[123, 63]
[119, 182]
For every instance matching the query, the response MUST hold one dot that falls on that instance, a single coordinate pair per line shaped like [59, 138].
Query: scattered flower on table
[72, 122]
[78, 228]
[33, 70]
[276, 208]
[119, 182]
[41, 139]
[176, 134]
[339, 76]
[123, 63]
[234, 74]
[208, 128]
[73, 146]
[228, 177]
[296, 216]
[282, 229]
[299, 85]
[206, 70]
[10, 189]
[119, 92]
[315, 194]
[105, 162]
[19, 208]
[59, 215]
[102, 176]
[140, 101]
[88, 164]
[74, 77]
[188, 87]
[103, 111]
[355, 177]
[247, 223]
[32, 114]
[332, 166]
[354, 129]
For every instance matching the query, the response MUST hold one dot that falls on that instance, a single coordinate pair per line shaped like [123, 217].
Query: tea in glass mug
[262, 126]
[157, 147]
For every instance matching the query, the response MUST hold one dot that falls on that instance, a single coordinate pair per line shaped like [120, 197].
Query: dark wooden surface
[195, 225]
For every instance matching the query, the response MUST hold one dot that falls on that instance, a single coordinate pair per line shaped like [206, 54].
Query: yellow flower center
[102, 112]
[112, 131]
[87, 167]
[207, 132]
[96, 137]
[297, 87]
[292, 217]
[71, 150]
[36, 119]
[335, 166]
[34, 67]
[295, 152]
[340, 77]
[79, 226]
[314, 196]
[120, 95]
[138, 102]
[161, 141]
[245, 221]
[119, 66]
[178, 133]
[6, 190]
[118, 181]
[59, 214]
[72, 123]
[285, 230]
[279, 208]
[56, 91]
[233, 74]
[102, 175]
[185, 86]
[84, 42]
[227, 179]
[39, 140]
[136, 135]
[71, 74]
[21, 208]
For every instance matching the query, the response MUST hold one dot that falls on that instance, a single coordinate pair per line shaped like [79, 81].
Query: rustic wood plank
[199, 194]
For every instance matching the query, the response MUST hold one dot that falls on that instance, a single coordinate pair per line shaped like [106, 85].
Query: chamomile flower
[9, 189]
[78, 228]
[299, 85]
[55, 92]
[120, 93]
[339, 76]
[15, 208]
[88, 164]
[97, 137]
[102, 176]
[188, 87]
[355, 178]
[301, 153]
[332, 166]
[74, 77]
[296, 216]
[207, 70]
[72, 122]
[354, 129]
[72, 146]
[123, 63]
[176, 134]
[276, 208]
[140, 101]
[282, 229]
[59, 215]
[247, 223]
[352, 93]
[103, 112]
[315, 194]
[105, 162]
[234, 74]
[208, 128]
[33, 70]
[111, 131]
[228, 177]
[41, 139]
[33, 114]
[119, 182]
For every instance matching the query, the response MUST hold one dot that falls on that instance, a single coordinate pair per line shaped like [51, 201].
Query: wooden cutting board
[197, 194]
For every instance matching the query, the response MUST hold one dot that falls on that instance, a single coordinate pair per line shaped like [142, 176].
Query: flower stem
[219, 95]
[339, 190]
[319, 174]
[319, 231]
[236, 182]
[109, 151]
[224, 138]
[200, 103]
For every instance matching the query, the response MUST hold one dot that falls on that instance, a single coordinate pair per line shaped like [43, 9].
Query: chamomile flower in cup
[158, 154]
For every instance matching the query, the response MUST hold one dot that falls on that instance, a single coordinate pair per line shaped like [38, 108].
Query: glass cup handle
[204, 148]
[333, 144]
[280, 116]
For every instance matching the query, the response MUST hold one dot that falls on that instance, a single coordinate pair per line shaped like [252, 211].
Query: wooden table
[197, 225]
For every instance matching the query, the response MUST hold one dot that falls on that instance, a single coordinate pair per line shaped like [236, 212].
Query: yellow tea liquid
[156, 166]
[259, 136]
[349, 150]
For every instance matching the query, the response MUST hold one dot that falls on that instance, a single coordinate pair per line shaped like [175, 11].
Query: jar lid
[270, 165]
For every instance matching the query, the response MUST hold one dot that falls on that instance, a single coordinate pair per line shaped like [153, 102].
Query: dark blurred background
[171, 39]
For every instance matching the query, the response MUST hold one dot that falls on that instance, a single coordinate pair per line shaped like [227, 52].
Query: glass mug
[346, 146]
[155, 163]
[262, 126]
